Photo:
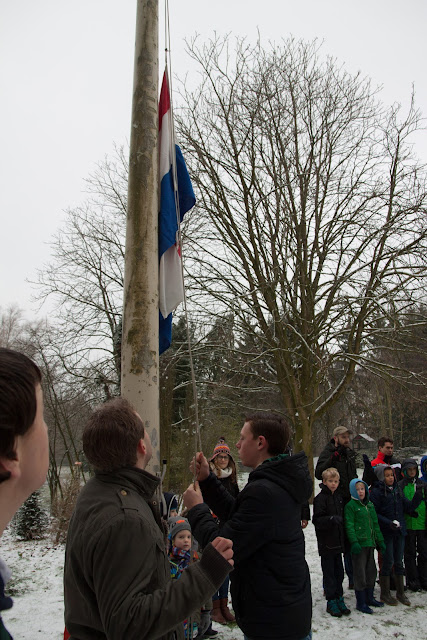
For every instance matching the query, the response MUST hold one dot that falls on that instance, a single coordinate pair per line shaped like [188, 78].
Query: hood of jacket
[379, 470]
[410, 462]
[289, 472]
[353, 491]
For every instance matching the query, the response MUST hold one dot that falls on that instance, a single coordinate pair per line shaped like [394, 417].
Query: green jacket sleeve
[349, 522]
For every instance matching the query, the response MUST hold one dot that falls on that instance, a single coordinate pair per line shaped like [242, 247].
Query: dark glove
[414, 514]
[205, 620]
[342, 450]
[336, 519]
[335, 456]
[356, 548]
[366, 460]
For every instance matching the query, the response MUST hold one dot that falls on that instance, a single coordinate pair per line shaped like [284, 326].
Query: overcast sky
[66, 84]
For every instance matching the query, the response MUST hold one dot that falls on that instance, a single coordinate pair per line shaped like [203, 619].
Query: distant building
[364, 443]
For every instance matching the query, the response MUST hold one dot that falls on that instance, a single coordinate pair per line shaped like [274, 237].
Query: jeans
[222, 591]
[333, 575]
[393, 554]
[308, 637]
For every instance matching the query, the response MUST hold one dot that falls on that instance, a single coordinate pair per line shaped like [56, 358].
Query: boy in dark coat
[329, 525]
[416, 539]
[390, 505]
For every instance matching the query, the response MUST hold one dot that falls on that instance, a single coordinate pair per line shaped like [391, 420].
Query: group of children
[390, 518]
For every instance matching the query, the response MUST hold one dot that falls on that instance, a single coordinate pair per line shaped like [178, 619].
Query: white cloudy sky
[66, 83]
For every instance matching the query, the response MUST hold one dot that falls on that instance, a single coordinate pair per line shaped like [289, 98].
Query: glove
[335, 456]
[336, 519]
[356, 548]
[395, 525]
[205, 620]
[342, 450]
[414, 514]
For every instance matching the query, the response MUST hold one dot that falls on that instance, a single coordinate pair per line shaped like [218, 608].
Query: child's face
[182, 540]
[332, 483]
[411, 471]
[360, 488]
[388, 477]
[173, 513]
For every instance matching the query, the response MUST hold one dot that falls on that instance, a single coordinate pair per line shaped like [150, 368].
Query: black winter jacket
[343, 459]
[390, 504]
[329, 532]
[270, 584]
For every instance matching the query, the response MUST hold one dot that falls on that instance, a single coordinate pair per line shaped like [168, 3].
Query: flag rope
[168, 65]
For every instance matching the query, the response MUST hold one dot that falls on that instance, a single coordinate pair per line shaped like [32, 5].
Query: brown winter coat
[117, 580]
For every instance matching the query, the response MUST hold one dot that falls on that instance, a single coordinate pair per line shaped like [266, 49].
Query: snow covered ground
[38, 607]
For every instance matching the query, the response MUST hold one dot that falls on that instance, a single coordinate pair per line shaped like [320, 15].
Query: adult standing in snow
[24, 448]
[339, 455]
[224, 467]
[385, 456]
[270, 585]
[117, 577]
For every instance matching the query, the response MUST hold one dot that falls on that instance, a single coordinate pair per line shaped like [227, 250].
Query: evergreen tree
[31, 521]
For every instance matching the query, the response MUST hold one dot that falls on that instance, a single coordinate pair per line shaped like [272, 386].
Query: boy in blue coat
[390, 505]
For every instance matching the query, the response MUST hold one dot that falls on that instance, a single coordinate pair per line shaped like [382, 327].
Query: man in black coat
[270, 585]
[339, 454]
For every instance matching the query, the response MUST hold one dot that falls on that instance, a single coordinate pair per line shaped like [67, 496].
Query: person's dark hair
[19, 377]
[111, 436]
[383, 440]
[274, 428]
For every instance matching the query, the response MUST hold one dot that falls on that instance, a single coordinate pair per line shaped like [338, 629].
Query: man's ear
[142, 449]
[262, 442]
[9, 468]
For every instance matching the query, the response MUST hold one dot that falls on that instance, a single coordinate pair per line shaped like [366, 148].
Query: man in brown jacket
[117, 581]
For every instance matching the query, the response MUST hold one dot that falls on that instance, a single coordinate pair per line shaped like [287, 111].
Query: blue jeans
[309, 637]
[393, 554]
[222, 591]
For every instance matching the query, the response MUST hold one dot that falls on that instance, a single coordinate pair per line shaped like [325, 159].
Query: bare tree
[311, 220]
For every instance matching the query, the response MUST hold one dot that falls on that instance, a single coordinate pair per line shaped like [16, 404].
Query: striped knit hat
[221, 447]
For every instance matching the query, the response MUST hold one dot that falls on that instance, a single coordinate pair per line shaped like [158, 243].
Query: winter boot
[333, 608]
[385, 595]
[370, 599]
[361, 602]
[216, 613]
[400, 591]
[209, 633]
[342, 606]
[228, 616]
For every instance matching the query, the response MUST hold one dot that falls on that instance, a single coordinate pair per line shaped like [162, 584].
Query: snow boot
[385, 595]
[361, 602]
[333, 608]
[342, 606]
[228, 616]
[216, 613]
[209, 633]
[400, 591]
[370, 599]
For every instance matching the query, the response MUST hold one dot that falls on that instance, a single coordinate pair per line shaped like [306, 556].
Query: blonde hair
[330, 473]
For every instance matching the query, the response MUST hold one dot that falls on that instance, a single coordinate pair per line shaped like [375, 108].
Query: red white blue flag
[172, 191]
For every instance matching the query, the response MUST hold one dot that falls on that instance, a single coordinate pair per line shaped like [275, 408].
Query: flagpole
[140, 342]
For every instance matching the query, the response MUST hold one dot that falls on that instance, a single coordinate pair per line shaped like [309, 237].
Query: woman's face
[222, 460]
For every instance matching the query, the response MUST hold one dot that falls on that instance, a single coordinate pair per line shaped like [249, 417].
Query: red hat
[221, 447]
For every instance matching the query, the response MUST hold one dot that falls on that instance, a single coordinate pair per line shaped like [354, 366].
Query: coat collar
[140, 480]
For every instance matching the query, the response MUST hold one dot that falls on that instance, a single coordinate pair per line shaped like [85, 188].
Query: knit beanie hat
[168, 502]
[176, 524]
[221, 447]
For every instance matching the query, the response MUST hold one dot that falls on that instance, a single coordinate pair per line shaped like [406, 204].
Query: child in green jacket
[364, 534]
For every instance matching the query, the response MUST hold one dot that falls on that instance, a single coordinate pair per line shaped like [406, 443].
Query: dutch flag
[171, 286]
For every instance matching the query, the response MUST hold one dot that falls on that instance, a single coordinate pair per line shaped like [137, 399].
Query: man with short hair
[117, 578]
[270, 584]
[385, 452]
[24, 447]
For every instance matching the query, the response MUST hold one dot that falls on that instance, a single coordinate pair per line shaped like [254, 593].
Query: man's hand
[199, 467]
[224, 546]
[192, 496]
[304, 523]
